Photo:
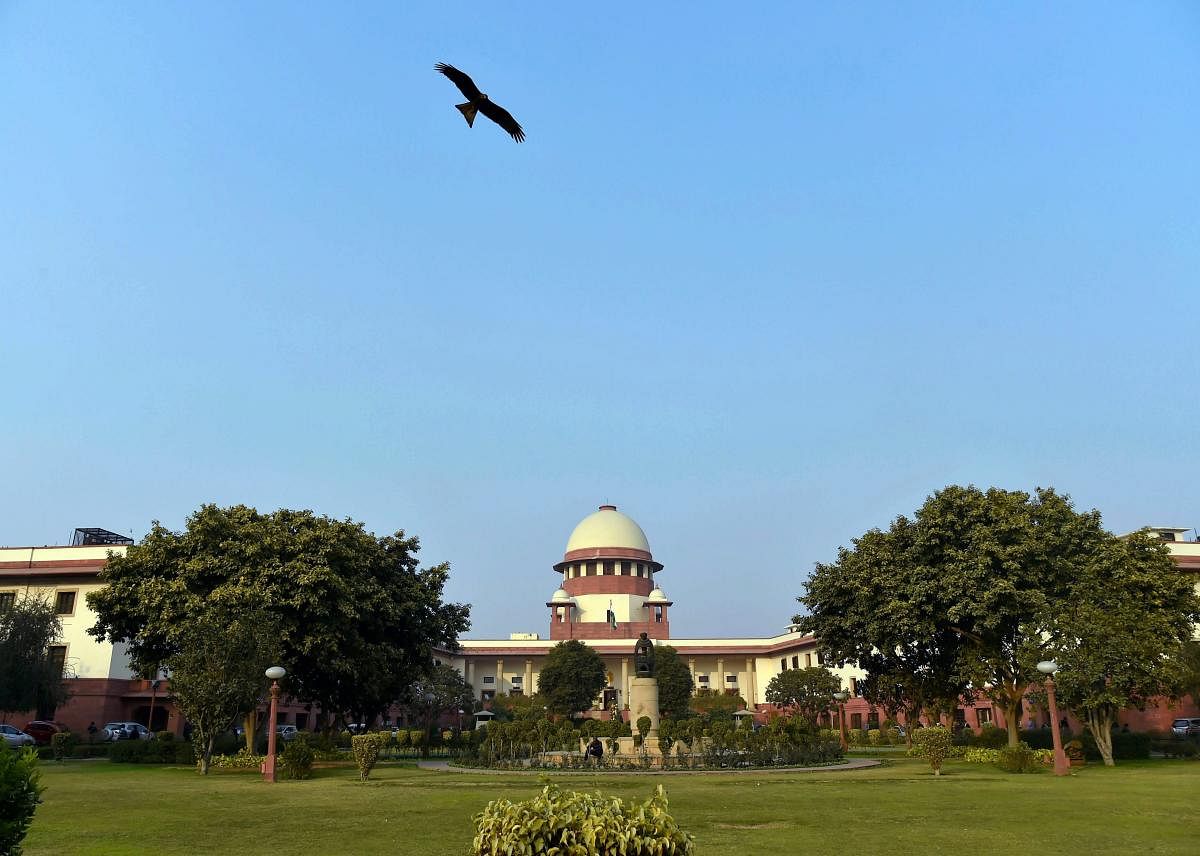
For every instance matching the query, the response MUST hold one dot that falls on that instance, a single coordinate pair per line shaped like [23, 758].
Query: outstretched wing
[465, 84]
[502, 118]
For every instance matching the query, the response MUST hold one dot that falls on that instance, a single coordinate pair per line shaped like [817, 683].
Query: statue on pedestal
[643, 657]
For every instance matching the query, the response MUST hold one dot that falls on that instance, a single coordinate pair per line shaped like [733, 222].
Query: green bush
[874, 737]
[989, 737]
[164, 736]
[91, 750]
[573, 822]
[185, 754]
[63, 744]
[933, 743]
[243, 759]
[366, 752]
[1039, 738]
[296, 762]
[20, 793]
[1018, 759]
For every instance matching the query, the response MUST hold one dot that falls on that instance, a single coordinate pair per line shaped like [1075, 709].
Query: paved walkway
[849, 764]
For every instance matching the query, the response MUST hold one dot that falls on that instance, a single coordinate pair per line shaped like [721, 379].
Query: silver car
[126, 731]
[1186, 727]
[15, 737]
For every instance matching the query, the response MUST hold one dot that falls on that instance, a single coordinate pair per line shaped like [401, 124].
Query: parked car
[127, 731]
[287, 733]
[1186, 727]
[41, 730]
[15, 737]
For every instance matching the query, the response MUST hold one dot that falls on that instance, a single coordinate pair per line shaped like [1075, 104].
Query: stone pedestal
[643, 701]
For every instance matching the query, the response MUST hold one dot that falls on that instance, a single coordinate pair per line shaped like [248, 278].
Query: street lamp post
[841, 697]
[1062, 767]
[274, 673]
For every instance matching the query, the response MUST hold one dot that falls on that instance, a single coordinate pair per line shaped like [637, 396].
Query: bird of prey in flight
[477, 102]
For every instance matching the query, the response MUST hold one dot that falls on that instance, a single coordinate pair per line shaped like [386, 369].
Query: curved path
[850, 764]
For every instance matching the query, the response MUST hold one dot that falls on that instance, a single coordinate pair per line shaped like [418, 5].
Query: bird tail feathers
[468, 110]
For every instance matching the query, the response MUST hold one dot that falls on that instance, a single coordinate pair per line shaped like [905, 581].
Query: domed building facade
[609, 591]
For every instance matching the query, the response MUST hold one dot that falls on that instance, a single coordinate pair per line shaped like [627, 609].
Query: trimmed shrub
[1018, 759]
[63, 744]
[366, 752]
[874, 737]
[1127, 746]
[1038, 738]
[244, 759]
[20, 793]
[569, 822]
[933, 743]
[296, 762]
[185, 754]
[989, 737]
[401, 738]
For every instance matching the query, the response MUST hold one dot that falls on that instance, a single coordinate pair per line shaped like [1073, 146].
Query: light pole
[274, 673]
[1062, 767]
[841, 696]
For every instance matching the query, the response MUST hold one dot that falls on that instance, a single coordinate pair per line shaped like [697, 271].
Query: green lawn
[113, 809]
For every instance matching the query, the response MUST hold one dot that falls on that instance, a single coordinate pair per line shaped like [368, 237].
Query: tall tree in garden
[809, 691]
[357, 617]
[674, 682]
[571, 677]
[1127, 608]
[975, 571]
[859, 614]
[217, 664]
[30, 678]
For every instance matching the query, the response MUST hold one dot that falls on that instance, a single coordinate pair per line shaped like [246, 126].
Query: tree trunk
[1099, 722]
[1010, 703]
[206, 746]
[249, 724]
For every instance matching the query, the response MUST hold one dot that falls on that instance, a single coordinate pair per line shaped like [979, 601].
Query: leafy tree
[1189, 658]
[1127, 608]
[29, 678]
[716, 706]
[444, 688]
[513, 707]
[357, 617]
[809, 690]
[956, 593]
[217, 670]
[674, 682]
[20, 793]
[571, 677]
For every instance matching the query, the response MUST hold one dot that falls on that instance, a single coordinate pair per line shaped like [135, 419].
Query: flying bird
[478, 102]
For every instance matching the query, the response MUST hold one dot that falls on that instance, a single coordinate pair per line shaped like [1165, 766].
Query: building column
[471, 677]
[528, 688]
[624, 700]
[751, 683]
[499, 676]
[721, 675]
[692, 669]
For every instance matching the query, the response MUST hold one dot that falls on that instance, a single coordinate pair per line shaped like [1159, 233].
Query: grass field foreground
[102, 809]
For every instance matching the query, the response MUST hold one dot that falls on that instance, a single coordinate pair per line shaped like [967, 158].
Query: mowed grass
[103, 809]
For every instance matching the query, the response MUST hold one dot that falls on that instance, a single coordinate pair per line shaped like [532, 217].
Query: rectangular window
[855, 689]
[731, 679]
[783, 664]
[301, 721]
[795, 662]
[703, 679]
[64, 603]
[624, 569]
[488, 679]
[984, 714]
[7, 599]
[658, 615]
[808, 661]
[58, 658]
[518, 680]
[640, 569]
[608, 569]
[856, 720]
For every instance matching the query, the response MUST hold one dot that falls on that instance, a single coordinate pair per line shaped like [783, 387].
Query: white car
[15, 737]
[126, 731]
[287, 733]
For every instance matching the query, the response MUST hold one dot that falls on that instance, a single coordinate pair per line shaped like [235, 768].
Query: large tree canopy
[571, 677]
[809, 690]
[1129, 607]
[30, 679]
[357, 617]
[674, 682]
[957, 596]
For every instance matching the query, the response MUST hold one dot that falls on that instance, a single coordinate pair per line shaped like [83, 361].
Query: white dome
[656, 595]
[560, 596]
[607, 528]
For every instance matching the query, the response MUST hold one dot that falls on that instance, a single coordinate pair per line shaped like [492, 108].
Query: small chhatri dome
[560, 596]
[657, 596]
[607, 528]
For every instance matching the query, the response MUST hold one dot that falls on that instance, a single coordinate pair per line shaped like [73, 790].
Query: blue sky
[763, 278]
